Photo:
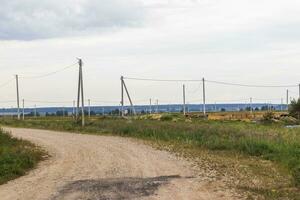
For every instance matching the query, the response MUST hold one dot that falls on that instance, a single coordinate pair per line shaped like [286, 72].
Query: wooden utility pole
[18, 100]
[183, 88]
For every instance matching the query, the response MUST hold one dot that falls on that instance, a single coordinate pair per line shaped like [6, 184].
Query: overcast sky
[240, 41]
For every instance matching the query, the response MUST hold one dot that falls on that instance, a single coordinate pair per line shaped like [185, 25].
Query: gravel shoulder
[106, 167]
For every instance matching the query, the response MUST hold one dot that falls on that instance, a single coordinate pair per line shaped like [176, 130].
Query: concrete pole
[122, 96]
[23, 111]
[287, 99]
[78, 92]
[82, 95]
[183, 87]
[18, 97]
[129, 98]
[73, 111]
[204, 100]
[89, 101]
[299, 92]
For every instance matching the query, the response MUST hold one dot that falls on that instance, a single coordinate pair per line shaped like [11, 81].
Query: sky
[254, 42]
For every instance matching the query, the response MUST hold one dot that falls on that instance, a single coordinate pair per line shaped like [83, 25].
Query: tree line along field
[261, 147]
[16, 157]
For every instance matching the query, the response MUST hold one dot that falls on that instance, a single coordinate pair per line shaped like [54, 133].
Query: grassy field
[16, 157]
[265, 158]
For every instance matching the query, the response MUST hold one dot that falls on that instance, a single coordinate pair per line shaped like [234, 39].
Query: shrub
[268, 116]
[294, 108]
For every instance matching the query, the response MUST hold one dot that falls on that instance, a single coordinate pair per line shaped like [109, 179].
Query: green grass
[267, 142]
[16, 157]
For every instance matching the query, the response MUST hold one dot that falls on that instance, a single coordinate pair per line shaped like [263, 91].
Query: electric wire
[211, 81]
[6, 83]
[48, 74]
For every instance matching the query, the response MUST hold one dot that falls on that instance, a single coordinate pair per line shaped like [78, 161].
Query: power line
[211, 81]
[9, 101]
[48, 74]
[162, 80]
[248, 85]
[6, 83]
[39, 101]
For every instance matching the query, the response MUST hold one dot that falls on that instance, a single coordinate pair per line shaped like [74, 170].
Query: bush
[268, 116]
[294, 108]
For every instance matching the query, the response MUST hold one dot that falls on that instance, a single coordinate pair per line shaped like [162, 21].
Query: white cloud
[35, 19]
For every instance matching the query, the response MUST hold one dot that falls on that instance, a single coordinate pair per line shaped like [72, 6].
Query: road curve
[104, 167]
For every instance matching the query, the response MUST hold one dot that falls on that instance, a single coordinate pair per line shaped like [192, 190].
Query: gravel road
[104, 167]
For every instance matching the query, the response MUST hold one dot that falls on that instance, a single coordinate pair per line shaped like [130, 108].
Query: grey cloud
[35, 19]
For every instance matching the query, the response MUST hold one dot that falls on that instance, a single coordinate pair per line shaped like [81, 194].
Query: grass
[16, 157]
[270, 142]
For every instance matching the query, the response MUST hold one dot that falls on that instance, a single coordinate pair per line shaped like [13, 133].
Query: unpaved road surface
[108, 168]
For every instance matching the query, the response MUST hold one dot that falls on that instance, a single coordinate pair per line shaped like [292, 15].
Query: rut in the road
[113, 189]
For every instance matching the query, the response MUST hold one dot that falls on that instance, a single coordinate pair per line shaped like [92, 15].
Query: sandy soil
[112, 168]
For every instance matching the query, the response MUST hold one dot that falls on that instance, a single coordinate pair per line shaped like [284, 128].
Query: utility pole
[89, 101]
[23, 112]
[204, 106]
[103, 113]
[287, 99]
[73, 111]
[281, 104]
[122, 96]
[299, 92]
[80, 91]
[35, 110]
[129, 98]
[183, 87]
[156, 105]
[18, 100]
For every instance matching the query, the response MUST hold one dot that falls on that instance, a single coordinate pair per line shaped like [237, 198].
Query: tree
[294, 108]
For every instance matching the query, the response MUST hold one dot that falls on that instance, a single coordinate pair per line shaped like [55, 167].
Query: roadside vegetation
[262, 158]
[16, 157]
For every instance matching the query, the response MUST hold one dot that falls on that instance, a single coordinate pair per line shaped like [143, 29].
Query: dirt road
[102, 167]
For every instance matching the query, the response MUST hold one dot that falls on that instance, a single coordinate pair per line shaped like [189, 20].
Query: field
[16, 157]
[263, 159]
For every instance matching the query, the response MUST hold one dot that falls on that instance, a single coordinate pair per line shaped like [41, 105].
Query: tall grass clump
[16, 157]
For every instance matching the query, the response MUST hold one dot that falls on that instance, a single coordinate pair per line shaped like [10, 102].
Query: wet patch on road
[113, 189]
